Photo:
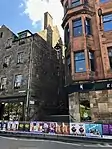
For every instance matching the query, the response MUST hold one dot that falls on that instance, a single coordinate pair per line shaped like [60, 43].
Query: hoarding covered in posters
[43, 127]
[77, 129]
[93, 130]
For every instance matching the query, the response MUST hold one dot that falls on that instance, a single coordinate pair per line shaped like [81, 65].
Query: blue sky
[30, 15]
[11, 14]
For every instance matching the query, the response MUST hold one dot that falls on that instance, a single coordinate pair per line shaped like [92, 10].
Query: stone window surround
[18, 80]
[3, 83]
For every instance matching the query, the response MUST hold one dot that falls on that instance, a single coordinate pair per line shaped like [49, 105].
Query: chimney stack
[48, 20]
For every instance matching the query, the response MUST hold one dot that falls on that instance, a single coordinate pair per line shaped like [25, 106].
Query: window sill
[80, 72]
[104, 2]
[89, 35]
[21, 42]
[7, 47]
[107, 31]
[78, 36]
[17, 87]
[2, 89]
[19, 63]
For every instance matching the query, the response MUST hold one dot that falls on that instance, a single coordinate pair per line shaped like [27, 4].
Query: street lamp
[100, 15]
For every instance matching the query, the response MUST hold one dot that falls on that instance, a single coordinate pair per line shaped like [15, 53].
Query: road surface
[15, 143]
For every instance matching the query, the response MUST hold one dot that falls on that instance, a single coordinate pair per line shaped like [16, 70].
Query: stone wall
[44, 78]
[100, 105]
[74, 109]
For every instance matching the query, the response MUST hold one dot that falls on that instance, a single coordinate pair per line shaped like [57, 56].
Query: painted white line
[8, 138]
[34, 140]
[90, 145]
[58, 142]
[105, 145]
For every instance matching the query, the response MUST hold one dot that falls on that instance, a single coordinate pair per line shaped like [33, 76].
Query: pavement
[16, 143]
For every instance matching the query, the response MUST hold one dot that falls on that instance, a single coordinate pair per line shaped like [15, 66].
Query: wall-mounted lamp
[57, 47]
[100, 15]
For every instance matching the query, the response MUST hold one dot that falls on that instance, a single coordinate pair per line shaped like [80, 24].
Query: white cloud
[35, 10]
[21, 5]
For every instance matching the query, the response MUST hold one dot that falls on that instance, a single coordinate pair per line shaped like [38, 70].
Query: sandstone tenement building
[88, 36]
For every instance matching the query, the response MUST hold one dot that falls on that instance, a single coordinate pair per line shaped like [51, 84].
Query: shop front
[91, 101]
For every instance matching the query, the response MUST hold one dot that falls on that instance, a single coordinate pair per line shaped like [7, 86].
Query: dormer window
[23, 35]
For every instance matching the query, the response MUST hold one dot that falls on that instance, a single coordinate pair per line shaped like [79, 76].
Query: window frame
[66, 7]
[7, 60]
[67, 34]
[3, 85]
[68, 61]
[88, 25]
[110, 49]
[77, 26]
[1, 34]
[20, 56]
[79, 60]
[107, 21]
[91, 58]
[104, 1]
[16, 82]
[8, 43]
[73, 2]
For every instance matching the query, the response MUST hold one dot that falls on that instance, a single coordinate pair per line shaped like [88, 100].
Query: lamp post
[100, 15]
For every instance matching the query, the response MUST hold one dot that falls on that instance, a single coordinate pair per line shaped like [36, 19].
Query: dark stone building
[28, 76]
[88, 36]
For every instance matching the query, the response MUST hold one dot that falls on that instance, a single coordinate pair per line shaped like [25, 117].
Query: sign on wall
[12, 125]
[3, 125]
[107, 129]
[93, 130]
[62, 128]
[77, 129]
[104, 85]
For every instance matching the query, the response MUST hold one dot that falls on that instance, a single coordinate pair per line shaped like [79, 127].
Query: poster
[110, 129]
[3, 125]
[93, 130]
[27, 126]
[43, 127]
[62, 128]
[77, 129]
[36, 127]
[105, 129]
[21, 126]
[0, 125]
[24, 126]
[12, 125]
